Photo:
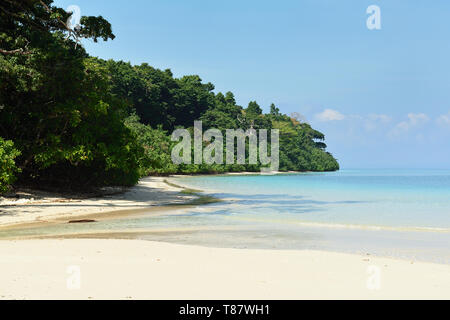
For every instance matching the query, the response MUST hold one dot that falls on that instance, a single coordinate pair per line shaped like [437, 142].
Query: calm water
[390, 199]
[399, 213]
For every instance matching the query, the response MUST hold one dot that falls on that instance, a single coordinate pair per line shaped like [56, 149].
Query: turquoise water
[396, 213]
[367, 198]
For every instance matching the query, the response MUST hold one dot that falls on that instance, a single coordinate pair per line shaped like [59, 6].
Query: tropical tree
[56, 101]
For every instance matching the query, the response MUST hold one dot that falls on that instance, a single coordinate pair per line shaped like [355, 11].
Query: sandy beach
[134, 269]
[38, 207]
[129, 269]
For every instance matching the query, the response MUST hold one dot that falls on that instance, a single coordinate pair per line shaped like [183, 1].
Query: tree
[274, 111]
[78, 121]
[57, 102]
[156, 158]
[8, 167]
[28, 24]
[254, 109]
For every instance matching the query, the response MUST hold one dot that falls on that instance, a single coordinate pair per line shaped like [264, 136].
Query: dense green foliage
[8, 167]
[84, 122]
[178, 102]
[157, 144]
[159, 98]
[58, 107]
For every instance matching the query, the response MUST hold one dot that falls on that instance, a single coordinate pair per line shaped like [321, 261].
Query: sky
[381, 96]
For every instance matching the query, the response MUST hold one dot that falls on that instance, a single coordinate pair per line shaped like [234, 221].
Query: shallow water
[377, 198]
[397, 213]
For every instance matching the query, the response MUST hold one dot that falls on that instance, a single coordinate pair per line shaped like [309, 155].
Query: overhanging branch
[16, 51]
[72, 33]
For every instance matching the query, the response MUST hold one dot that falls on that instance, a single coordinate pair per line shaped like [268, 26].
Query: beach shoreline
[141, 269]
[150, 194]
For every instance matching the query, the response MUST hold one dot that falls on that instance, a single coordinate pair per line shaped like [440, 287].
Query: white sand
[131, 269]
[152, 191]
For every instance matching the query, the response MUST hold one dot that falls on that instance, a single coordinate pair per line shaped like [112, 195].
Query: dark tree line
[67, 119]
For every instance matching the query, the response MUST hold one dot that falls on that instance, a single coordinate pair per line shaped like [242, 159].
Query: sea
[396, 213]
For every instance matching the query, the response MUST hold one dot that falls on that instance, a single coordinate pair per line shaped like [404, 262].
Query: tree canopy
[68, 119]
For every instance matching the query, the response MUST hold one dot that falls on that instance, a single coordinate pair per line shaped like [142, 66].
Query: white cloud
[330, 115]
[414, 119]
[444, 119]
[380, 117]
[374, 121]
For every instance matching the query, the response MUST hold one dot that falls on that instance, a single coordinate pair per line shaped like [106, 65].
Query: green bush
[8, 167]
[156, 158]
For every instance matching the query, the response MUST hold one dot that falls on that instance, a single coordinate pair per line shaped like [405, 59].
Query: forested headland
[69, 120]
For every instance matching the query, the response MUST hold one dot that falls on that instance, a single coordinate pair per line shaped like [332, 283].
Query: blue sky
[382, 97]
